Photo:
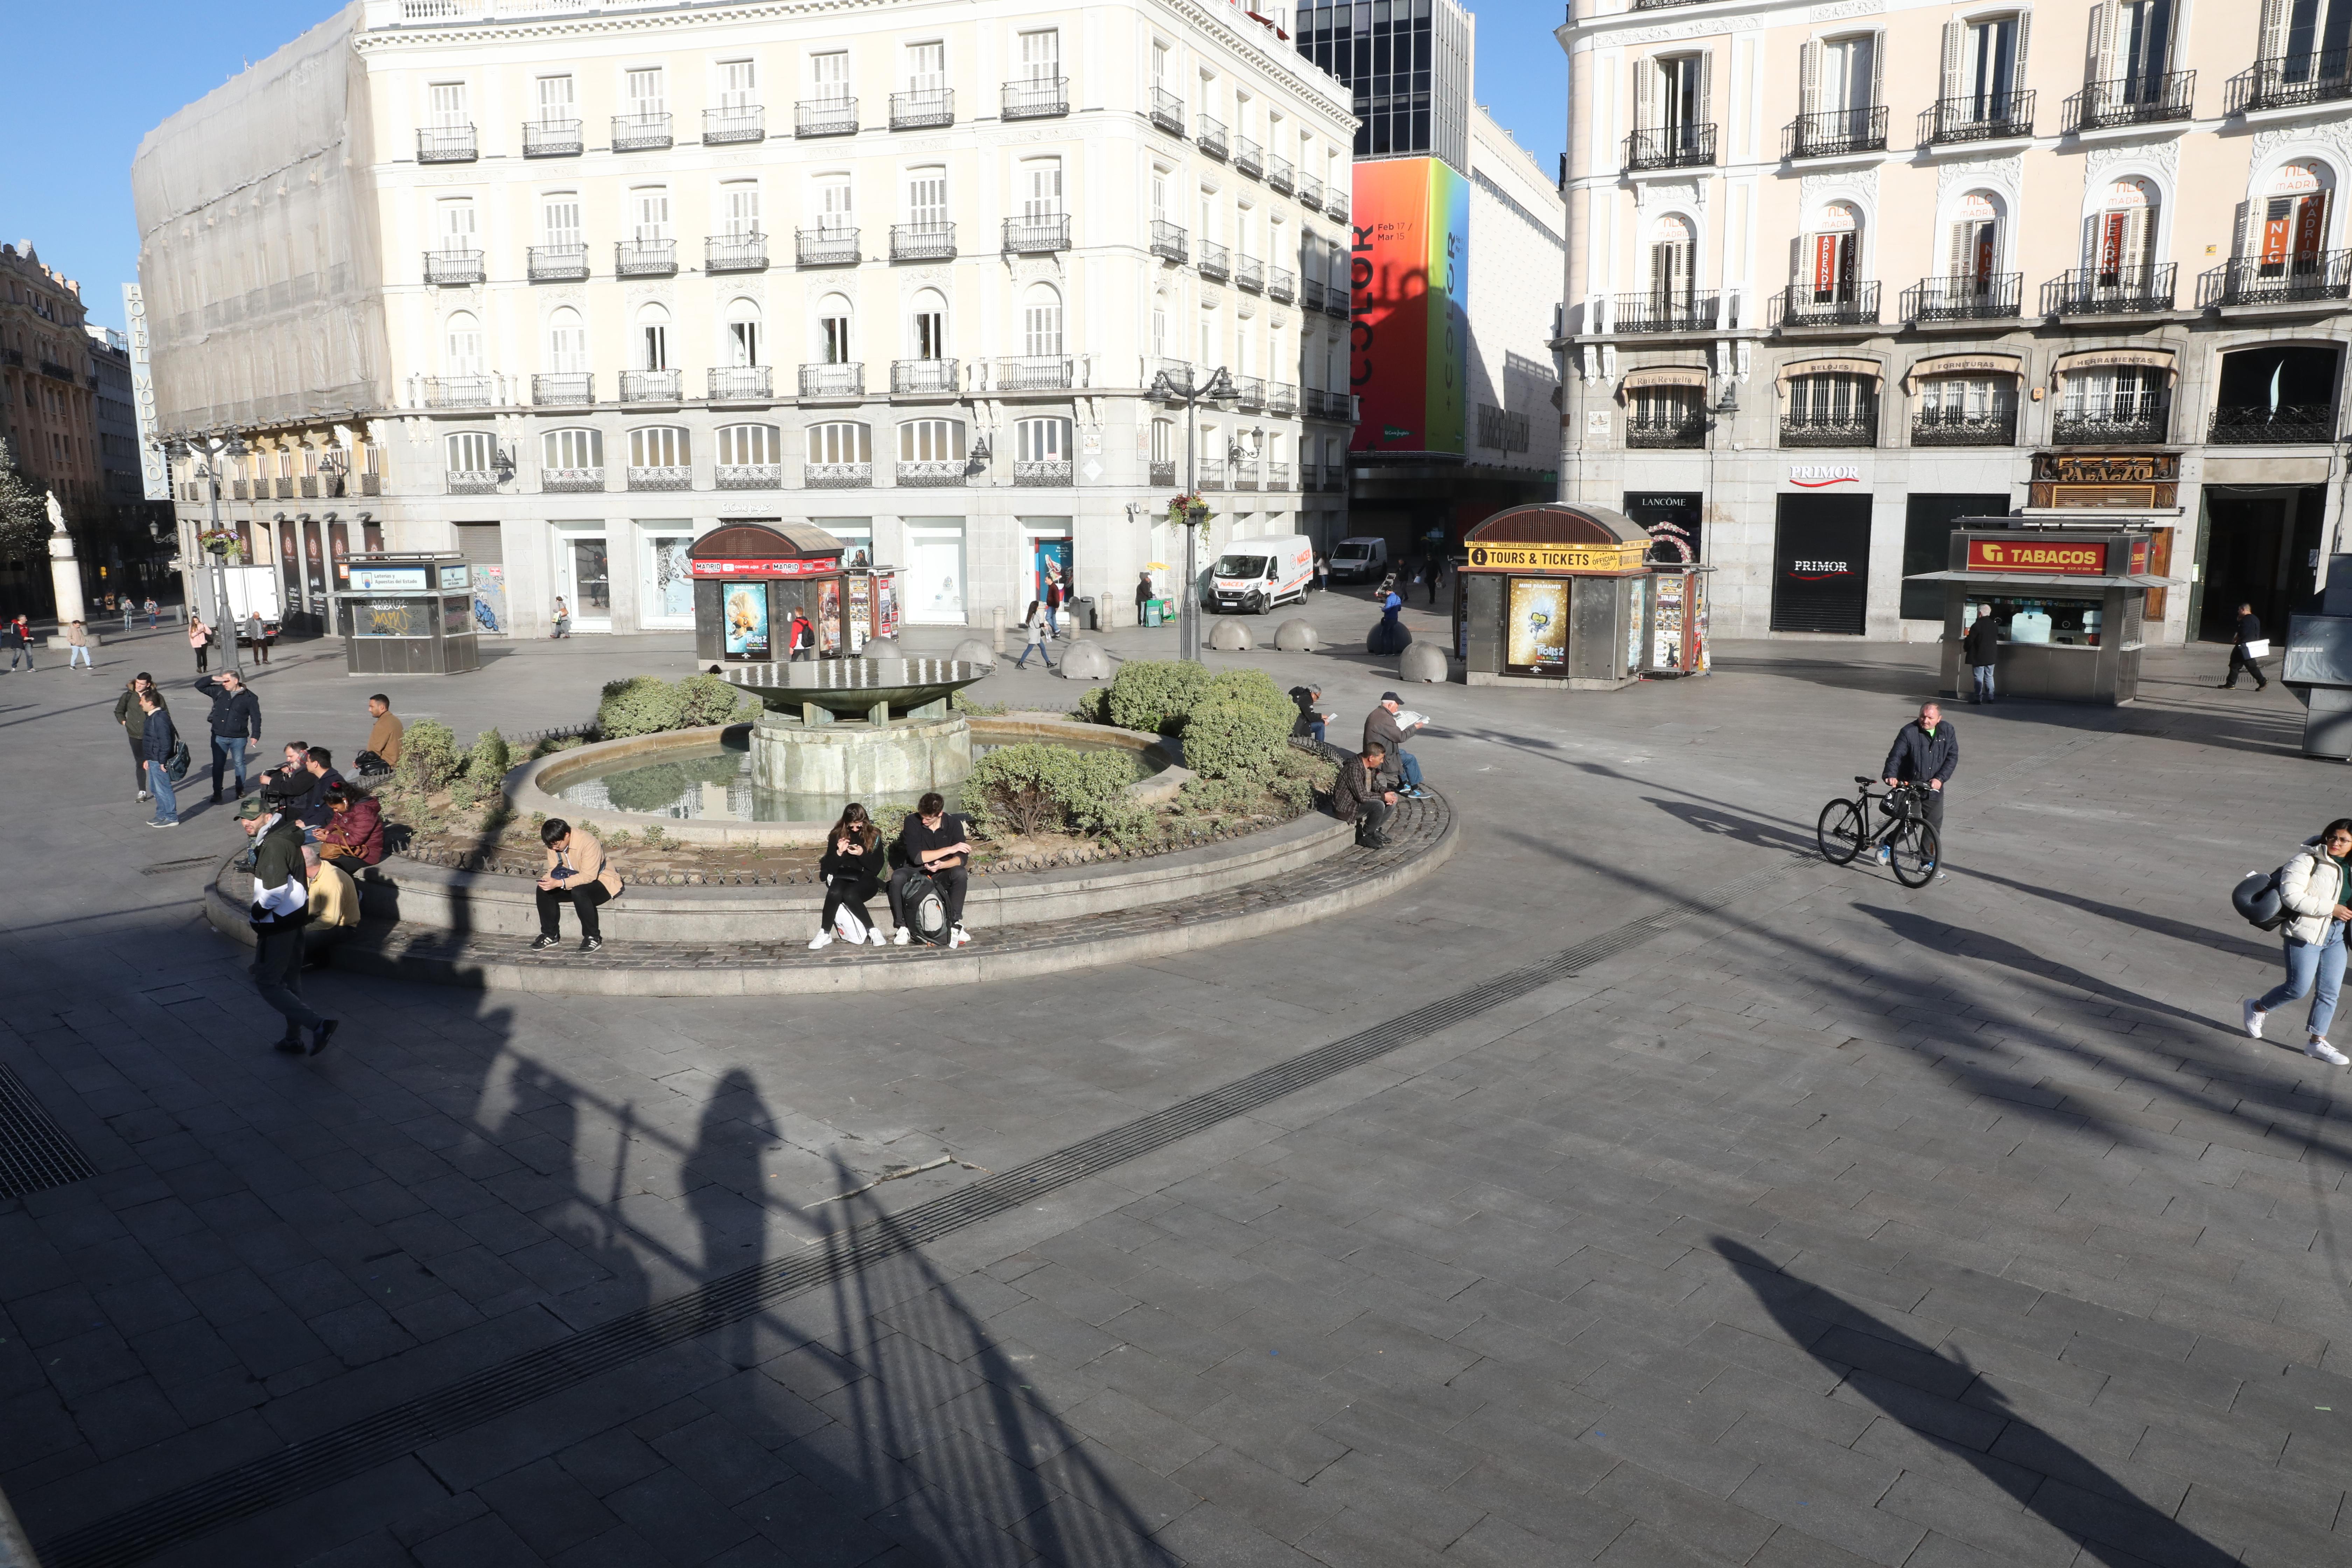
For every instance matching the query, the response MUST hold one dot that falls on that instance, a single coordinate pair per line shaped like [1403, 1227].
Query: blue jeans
[228, 751]
[1315, 728]
[2308, 962]
[17, 651]
[1039, 649]
[1984, 681]
[167, 807]
[1054, 619]
[1408, 768]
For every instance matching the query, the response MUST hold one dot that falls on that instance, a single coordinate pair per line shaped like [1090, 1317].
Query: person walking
[125, 604]
[134, 719]
[235, 718]
[799, 638]
[1322, 572]
[1436, 571]
[2247, 649]
[199, 642]
[576, 871]
[851, 872]
[279, 912]
[259, 635]
[1981, 646]
[20, 643]
[78, 647]
[1052, 599]
[1925, 751]
[2312, 889]
[1033, 632]
[563, 621]
[1143, 597]
[156, 740]
[150, 615]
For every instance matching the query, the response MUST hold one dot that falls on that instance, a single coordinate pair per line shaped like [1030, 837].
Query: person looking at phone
[936, 843]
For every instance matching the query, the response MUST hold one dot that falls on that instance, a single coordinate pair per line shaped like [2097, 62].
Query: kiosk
[1554, 595]
[750, 577]
[2068, 595]
[408, 615]
[1677, 641]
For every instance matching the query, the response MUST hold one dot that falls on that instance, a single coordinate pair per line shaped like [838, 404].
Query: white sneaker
[878, 939]
[959, 937]
[2327, 1053]
[2251, 1017]
[899, 937]
[821, 938]
[1885, 857]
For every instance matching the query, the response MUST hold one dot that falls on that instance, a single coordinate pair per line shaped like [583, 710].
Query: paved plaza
[1684, 1200]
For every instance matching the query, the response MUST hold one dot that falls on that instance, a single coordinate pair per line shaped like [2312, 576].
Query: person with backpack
[934, 844]
[800, 637]
[2312, 889]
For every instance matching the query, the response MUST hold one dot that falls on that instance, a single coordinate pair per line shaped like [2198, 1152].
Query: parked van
[1361, 559]
[1257, 574]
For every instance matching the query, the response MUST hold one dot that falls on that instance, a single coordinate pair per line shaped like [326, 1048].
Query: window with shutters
[2138, 47]
[557, 102]
[558, 218]
[1041, 55]
[1040, 189]
[448, 105]
[831, 195]
[1670, 112]
[571, 450]
[926, 197]
[2119, 240]
[2291, 221]
[829, 77]
[1841, 97]
[840, 441]
[659, 447]
[739, 208]
[463, 341]
[473, 452]
[1041, 322]
[1830, 255]
[653, 337]
[745, 338]
[647, 92]
[1673, 251]
[833, 330]
[567, 342]
[926, 326]
[748, 445]
[1973, 244]
[739, 84]
[1984, 78]
[927, 67]
[454, 220]
[932, 441]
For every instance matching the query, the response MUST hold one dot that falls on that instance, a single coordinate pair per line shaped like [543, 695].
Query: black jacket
[1982, 644]
[156, 737]
[1918, 756]
[239, 715]
[2249, 628]
[1355, 788]
[863, 869]
[133, 718]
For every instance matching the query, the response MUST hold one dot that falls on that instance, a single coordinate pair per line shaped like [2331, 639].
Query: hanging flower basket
[221, 541]
[1189, 511]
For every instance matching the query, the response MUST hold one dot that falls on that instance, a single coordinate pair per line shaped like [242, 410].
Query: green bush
[710, 699]
[488, 762]
[1090, 704]
[1033, 787]
[429, 757]
[1239, 729]
[1155, 694]
[641, 705]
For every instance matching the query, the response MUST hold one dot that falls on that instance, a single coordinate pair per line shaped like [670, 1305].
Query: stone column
[65, 576]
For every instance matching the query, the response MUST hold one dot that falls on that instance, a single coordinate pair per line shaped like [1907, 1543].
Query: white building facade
[612, 279]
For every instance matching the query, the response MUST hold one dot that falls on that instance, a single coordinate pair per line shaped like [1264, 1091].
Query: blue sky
[68, 186]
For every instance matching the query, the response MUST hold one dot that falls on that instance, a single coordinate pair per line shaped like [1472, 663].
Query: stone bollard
[880, 648]
[1231, 636]
[1387, 637]
[1424, 662]
[1296, 636]
[972, 650]
[1086, 659]
[996, 637]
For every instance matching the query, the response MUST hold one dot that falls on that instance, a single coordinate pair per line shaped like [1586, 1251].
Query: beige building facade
[1839, 273]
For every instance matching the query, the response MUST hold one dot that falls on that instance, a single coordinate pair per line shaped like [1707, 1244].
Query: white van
[1361, 559]
[1257, 574]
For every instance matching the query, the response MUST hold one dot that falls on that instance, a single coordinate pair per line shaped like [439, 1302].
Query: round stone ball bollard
[1424, 662]
[1231, 636]
[880, 648]
[1387, 638]
[974, 650]
[1086, 659]
[1294, 636]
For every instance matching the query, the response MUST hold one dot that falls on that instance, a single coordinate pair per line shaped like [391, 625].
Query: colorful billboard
[1409, 278]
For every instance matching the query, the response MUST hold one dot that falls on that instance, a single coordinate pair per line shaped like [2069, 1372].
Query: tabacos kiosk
[2067, 596]
[1554, 595]
[751, 578]
[408, 615]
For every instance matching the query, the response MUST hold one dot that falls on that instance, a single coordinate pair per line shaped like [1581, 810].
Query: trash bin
[1085, 608]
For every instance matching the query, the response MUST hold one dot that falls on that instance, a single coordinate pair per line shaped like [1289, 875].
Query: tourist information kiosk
[1553, 596]
[751, 578]
[2067, 595]
[408, 615]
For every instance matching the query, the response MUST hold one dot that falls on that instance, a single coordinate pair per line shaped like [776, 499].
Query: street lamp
[1191, 393]
[215, 447]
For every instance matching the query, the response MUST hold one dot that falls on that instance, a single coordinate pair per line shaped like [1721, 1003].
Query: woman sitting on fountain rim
[852, 859]
[934, 843]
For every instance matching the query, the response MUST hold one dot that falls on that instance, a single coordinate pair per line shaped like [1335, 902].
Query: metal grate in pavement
[309, 1466]
[35, 1152]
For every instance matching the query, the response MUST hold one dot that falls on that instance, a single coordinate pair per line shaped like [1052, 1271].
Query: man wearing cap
[280, 909]
[1382, 730]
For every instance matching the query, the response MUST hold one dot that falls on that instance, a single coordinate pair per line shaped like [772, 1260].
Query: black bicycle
[1843, 831]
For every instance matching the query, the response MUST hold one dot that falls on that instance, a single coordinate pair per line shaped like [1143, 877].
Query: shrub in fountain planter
[709, 700]
[1154, 694]
[640, 705]
[429, 756]
[488, 762]
[1032, 788]
[1239, 729]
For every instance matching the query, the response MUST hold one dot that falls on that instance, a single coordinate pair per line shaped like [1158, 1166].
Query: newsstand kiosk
[750, 578]
[1553, 596]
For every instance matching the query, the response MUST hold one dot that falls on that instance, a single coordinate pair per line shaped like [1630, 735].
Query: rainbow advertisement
[1409, 278]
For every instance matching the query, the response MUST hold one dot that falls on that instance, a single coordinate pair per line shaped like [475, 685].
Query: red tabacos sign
[762, 568]
[2029, 555]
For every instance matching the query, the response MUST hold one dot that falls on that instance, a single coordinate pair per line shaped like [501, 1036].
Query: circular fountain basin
[855, 687]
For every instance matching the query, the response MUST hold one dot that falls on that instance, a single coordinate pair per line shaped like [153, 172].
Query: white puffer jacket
[2310, 889]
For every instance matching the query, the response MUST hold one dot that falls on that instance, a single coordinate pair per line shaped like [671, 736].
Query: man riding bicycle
[1927, 752]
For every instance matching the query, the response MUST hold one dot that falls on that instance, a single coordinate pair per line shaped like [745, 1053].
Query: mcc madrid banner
[1409, 282]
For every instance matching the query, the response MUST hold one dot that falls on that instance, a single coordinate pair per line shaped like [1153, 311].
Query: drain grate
[35, 1152]
[302, 1468]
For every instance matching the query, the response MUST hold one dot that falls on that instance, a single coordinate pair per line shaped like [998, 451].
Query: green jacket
[133, 718]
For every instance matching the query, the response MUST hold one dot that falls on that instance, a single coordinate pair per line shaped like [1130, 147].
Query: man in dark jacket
[280, 908]
[1928, 751]
[2241, 654]
[1981, 648]
[155, 742]
[133, 717]
[1360, 796]
[1384, 730]
[235, 717]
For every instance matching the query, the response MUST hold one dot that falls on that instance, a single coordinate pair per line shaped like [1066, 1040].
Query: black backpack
[926, 909]
[2257, 898]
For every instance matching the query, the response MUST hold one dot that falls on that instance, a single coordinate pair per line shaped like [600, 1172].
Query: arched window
[653, 337]
[840, 441]
[744, 342]
[662, 447]
[2294, 221]
[1042, 440]
[1830, 409]
[748, 445]
[567, 342]
[2119, 245]
[1163, 446]
[1041, 190]
[1832, 256]
[570, 451]
[926, 326]
[464, 342]
[1674, 262]
[1974, 410]
[473, 453]
[932, 441]
[1975, 243]
[1041, 322]
[833, 329]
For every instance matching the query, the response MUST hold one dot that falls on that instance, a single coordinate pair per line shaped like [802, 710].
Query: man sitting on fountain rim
[936, 844]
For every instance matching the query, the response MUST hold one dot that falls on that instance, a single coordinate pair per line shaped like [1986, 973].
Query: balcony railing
[1167, 240]
[735, 253]
[2132, 100]
[2290, 278]
[1856, 429]
[1167, 111]
[1045, 473]
[571, 481]
[1038, 236]
[1665, 311]
[1802, 305]
[1211, 136]
[1974, 296]
[641, 133]
[644, 257]
[1685, 146]
[471, 482]
[922, 376]
[557, 263]
[1676, 428]
[1280, 173]
[1243, 474]
[735, 122]
[447, 145]
[1178, 373]
[1310, 191]
[1980, 117]
[1249, 157]
[1964, 427]
[1249, 393]
[663, 479]
[1836, 133]
[922, 242]
[1249, 273]
[1335, 301]
[1032, 373]
[1335, 202]
[551, 138]
[567, 388]
[825, 117]
[1310, 294]
[733, 382]
[1281, 285]
[948, 474]
[1281, 399]
[1212, 471]
[922, 109]
[2091, 291]
[1277, 475]
[1216, 264]
[453, 267]
[456, 390]
[751, 476]
[827, 247]
[1162, 473]
[832, 380]
[2263, 426]
[1037, 98]
[650, 386]
[2292, 81]
[836, 476]
[2142, 419]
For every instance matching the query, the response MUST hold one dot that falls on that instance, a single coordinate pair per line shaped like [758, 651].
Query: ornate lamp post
[217, 539]
[1195, 516]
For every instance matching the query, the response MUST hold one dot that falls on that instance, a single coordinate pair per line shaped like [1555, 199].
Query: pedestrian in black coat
[2243, 654]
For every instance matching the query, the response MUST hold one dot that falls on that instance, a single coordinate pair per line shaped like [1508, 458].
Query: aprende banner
[2012, 555]
[1409, 282]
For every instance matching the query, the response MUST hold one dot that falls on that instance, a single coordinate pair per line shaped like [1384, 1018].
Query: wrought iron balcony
[828, 247]
[446, 266]
[1036, 98]
[641, 133]
[1249, 393]
[571, 481]
[1674, 428]
[1310, 191]
[650, 386]
[557, 263]
[447, 145]
[1278, 173]
[836, 476]
[922, 242]
[1032, 373]
[1249, 273]
[1216, 264]
[735, 122]
[1836, 133]
[833, 380]
[1167, 241]
[1335, 301]
[472, 483]
[922, 376]
[1802, 305]
[1281, 286]
[456, 390]
[735, 253]
[1857, 429]
[739, 383]
[1281, 399]
[2117, 421]
[1667, 310]
[1277, 475]
[644, 257]
[569, 388]
[1978, 117]
[1179, 372]
[1244, 473]
[1961, 427]
[922, 109]
[1038, 236]
[1310, 294]
[825, 117]
[2292, 81]
[2261, 427]
[1335, 202]
[1211, 136]
[1212, 471]
[2294, 277]
[1162, 473]
[1167, 111]
[1042, 473]
[1690, 145]
[551, 138]
[1971, 296]
[2092, 291]
[751, 476]
[2132, 100]
[663, 478]
[943, 475]
[1249, 157]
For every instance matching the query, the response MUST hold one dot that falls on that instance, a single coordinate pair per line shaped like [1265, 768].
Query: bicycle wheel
[1915, 852]
[1840, 831]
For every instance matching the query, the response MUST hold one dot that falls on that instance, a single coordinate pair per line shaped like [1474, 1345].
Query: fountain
[856, 727]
